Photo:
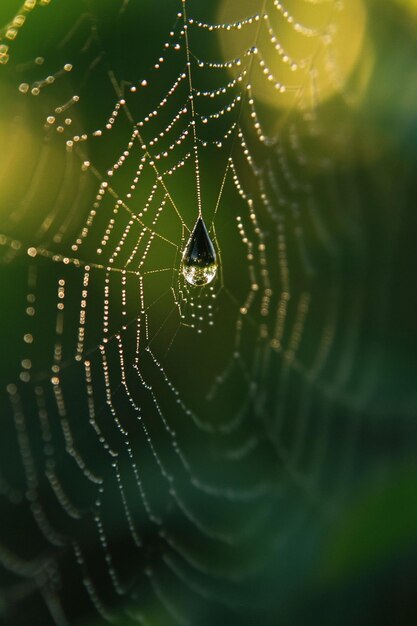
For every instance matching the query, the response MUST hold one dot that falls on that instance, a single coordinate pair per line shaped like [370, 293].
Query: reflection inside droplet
[199, 264]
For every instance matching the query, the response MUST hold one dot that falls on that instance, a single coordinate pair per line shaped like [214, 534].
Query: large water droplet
[199, 264]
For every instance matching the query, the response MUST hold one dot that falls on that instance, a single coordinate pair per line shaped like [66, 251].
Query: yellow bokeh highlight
[304, 51]
[32, 170]
[410, 6]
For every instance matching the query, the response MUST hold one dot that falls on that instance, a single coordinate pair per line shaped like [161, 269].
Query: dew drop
[199, 264]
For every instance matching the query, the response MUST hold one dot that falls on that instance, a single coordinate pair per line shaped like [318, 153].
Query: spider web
[165, 445]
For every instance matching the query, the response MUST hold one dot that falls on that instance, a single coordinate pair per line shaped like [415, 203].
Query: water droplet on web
[199, 264]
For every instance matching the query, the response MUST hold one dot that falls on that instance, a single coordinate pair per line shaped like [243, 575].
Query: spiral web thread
[106, 300]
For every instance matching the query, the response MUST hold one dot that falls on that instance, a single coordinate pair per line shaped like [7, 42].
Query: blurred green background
[263, 470]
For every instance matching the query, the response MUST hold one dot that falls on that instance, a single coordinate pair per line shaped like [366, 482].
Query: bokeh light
[318, 46]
